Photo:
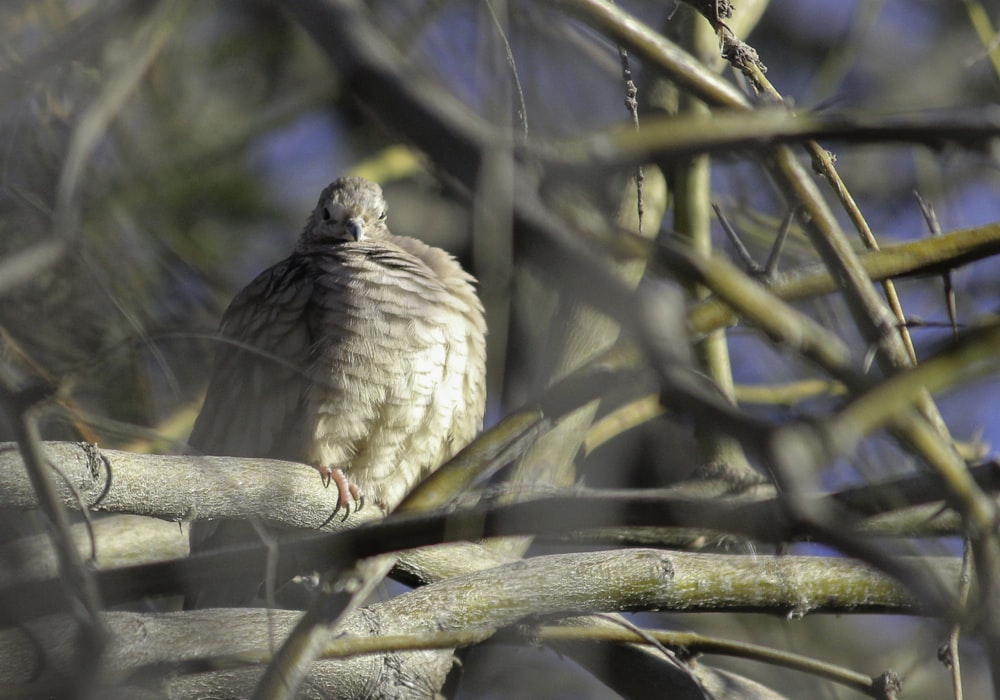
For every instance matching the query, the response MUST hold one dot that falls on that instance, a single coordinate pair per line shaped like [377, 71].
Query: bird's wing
[257, 398]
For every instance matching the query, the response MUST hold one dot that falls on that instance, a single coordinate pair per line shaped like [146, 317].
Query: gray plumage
[362, 350]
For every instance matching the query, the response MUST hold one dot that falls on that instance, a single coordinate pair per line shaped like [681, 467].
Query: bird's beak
[356, 228]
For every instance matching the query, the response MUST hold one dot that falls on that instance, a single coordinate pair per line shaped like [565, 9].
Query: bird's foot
[347, 490]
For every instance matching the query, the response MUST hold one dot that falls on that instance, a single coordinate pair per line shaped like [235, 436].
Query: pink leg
[347, 490]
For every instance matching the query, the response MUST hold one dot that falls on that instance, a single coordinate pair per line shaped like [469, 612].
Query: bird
[362, 354]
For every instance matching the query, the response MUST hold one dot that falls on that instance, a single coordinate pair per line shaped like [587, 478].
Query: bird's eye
[326, 214]
[382, 216]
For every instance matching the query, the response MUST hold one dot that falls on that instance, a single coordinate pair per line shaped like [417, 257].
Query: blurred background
[177, 148]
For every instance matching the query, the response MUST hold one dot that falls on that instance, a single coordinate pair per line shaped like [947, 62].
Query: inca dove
[362, 352]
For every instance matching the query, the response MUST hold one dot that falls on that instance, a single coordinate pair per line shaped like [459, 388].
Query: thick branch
[760, 519]
[179, 488]
[544, 586]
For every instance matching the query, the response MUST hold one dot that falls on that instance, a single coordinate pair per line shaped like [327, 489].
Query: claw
[325, 473]
[357, 495]
[347, 491]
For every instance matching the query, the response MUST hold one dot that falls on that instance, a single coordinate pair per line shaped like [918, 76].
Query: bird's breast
[393, 342]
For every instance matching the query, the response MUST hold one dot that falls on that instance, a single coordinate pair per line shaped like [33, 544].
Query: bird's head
[350, 209]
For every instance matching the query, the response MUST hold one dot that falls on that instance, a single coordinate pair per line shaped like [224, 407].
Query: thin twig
[949, 654]
[751, 265]
[20, 401]
[771, 266]
[689, 644]
[934, 226]
[632, 105]
[522, 110]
